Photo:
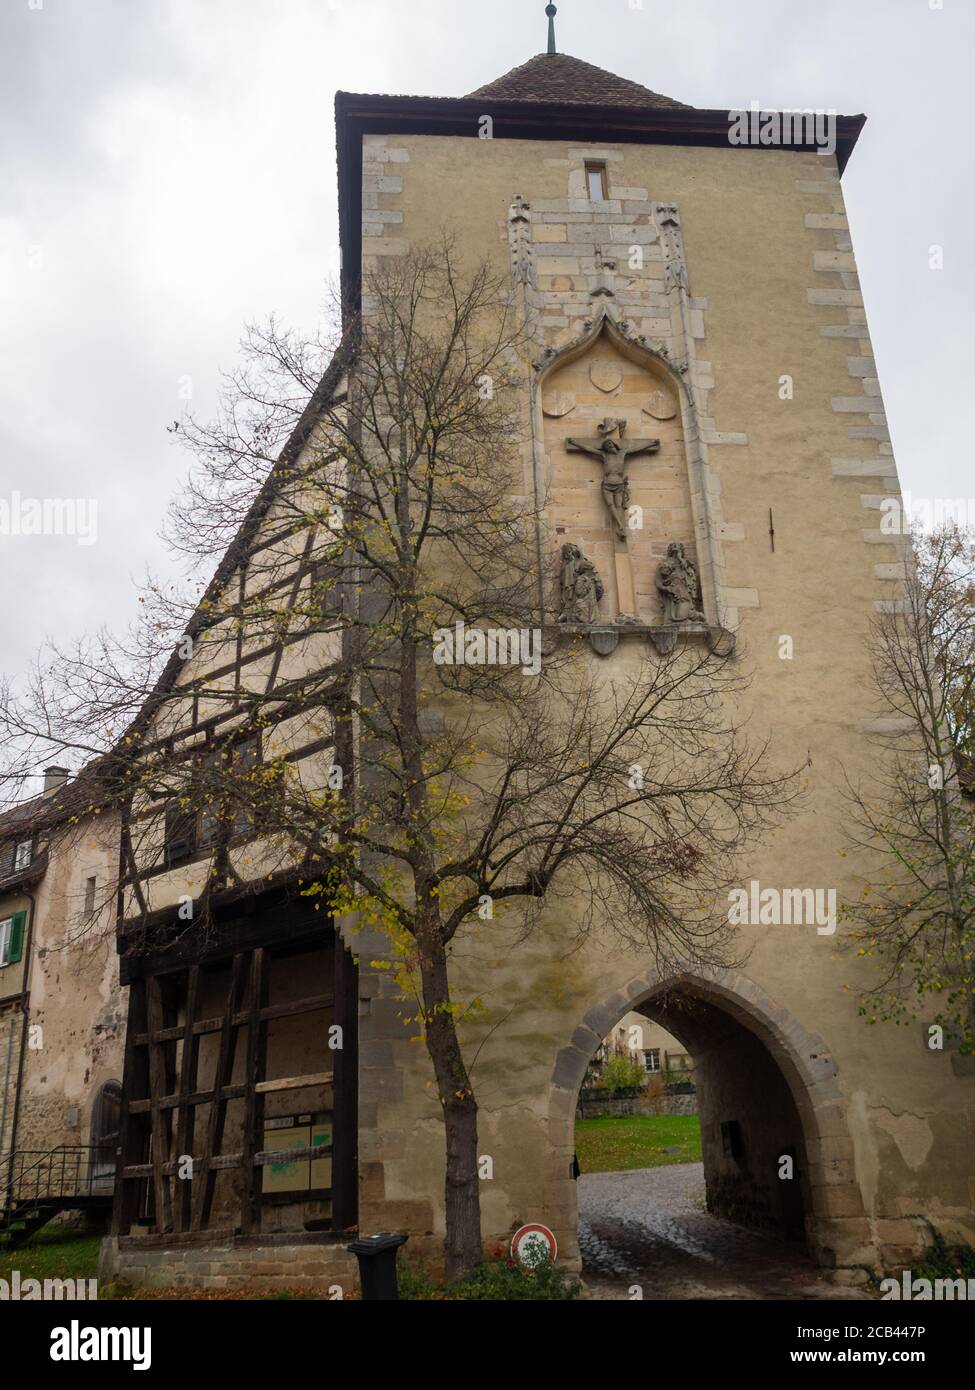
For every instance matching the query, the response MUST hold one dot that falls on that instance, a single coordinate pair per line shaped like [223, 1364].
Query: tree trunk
[462, 1195]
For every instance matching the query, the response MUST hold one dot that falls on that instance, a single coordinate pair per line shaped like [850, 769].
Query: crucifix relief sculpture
[613, 454]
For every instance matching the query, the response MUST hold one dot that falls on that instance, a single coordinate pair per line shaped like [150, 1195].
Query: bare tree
[913, 818]
[438, 784]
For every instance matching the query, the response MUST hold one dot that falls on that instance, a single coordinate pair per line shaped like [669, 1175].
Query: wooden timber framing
[157, 1191]
[204, 1174]
[209, 996]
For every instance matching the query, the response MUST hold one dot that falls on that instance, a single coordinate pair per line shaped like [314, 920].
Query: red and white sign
[532, 1245]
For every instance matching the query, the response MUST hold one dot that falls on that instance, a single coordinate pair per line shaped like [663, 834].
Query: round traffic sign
[534, 1245]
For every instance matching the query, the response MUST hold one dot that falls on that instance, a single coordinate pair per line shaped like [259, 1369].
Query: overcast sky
[167, 172]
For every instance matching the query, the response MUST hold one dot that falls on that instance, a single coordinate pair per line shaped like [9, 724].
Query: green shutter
[16, 937]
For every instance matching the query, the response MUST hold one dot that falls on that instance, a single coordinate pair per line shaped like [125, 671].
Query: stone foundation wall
[264, 1264]
[667, 1105]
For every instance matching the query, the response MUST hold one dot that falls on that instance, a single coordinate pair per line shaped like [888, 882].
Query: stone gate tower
[702, 355]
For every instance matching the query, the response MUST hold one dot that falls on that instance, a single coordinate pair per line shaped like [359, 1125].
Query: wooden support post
[160, 1120]
[132, 1128]
[254, 1097]
[185, 1111]
[345, 1120]
[205, 1179]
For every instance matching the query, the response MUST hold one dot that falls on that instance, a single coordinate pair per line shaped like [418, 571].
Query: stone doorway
[769, 1105]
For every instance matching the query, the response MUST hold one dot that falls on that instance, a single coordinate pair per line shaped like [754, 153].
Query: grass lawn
[53, 1253]
[617, 1142]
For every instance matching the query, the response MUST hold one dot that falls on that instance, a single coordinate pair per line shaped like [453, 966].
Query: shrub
[501, 1280]
[655, 1092]
[942, 1261]
[623, 1074]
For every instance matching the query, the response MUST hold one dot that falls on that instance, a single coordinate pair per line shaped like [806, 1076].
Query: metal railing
[35, 1176]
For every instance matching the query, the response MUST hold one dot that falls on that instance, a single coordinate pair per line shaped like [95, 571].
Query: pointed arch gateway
[612, 381]
[767, 1087]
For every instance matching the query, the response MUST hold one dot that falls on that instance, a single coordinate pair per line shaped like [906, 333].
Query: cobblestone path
[649, 1228]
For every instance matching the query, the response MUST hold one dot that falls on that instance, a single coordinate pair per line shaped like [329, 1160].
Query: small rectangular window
[180, 837]
[90, 885]
[596, 182]
[224, 792]
[732, 1141]
[246, 759]
[6, 926]
[211, 824]
[23, 854]
[653, 1059]
[324, 594]
[209, 794]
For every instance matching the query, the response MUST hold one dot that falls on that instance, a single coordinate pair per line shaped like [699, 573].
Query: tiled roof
[75, 798]
[560, 79]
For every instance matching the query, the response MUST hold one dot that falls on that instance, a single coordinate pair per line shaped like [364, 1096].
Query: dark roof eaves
[75, 798]
[688, 124]
[24, 879]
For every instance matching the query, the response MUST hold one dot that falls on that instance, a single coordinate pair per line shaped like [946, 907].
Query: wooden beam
[287, 920]
[213, 1025]
[217, 1162]
[160, 1120]
[254, 1100]
[212, 1237]
[310, 1005]
[294, 1083]
[186, 1109]
[143, 1107]
[199, 1030]
[345, 1118]
[132, 1129]
[269, 1156]
[205, 1179]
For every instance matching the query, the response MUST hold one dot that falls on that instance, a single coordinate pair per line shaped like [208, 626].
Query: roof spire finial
[551, 11]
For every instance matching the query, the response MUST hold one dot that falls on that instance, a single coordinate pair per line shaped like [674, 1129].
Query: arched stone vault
[837, 1228]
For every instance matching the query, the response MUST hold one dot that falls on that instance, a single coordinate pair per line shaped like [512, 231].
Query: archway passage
[743, 1222]
[752, 1141]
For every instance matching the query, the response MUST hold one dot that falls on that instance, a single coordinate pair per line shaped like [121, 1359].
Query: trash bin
[377, 1264]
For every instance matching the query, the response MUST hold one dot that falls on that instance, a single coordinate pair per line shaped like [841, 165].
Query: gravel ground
[649, 1228]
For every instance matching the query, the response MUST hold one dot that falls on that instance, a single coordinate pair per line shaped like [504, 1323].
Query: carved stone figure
[660, 405]
[675, 267]
[677, 586]
[519, 237]
[601, 284]
[605, 374]
[580, 588]
[557, 403]
[613, 454]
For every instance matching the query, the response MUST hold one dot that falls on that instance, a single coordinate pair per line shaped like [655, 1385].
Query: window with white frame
[596, 181]
[23, 854]
[12, 938]
[652, 1056]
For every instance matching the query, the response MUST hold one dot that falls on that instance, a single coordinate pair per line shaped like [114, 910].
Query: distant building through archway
[771, 1125]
